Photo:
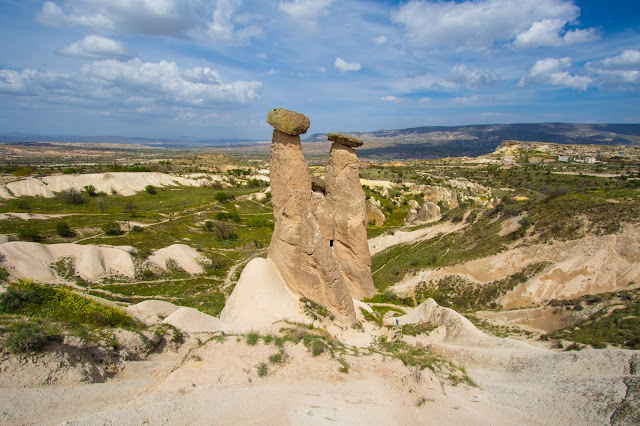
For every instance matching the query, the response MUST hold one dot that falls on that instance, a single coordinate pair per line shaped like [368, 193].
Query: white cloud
[222, 27]
[581, 36]
[380, 40]
[391, 99]
[547, 33]
[133, 84]
[424, 100]
[305, 10]
[477, 24]
[149, 17]
[629, 59]
[273, 71]
[541, 33]
[465, 77]
[549, 71]
[344, 66]
[97, 47]
[464, 100]
[620, 70]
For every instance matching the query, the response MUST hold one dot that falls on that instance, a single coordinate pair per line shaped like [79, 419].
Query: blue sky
[213, 69]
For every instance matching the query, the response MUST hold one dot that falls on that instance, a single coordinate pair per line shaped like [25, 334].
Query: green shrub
[60, 304]
[252, 338]
[263, 369]
[64, 230]
[26, 338]
[112, 228]
[223, 197]
[90, 190]
[233, 216]
[29, 233]
[317, 347]
[259, 222]
[150, 189]
[71, 196]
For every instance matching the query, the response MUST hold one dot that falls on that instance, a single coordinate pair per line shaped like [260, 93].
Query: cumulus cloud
[96, 47]
[547, 33]
[465, 77]
[223, 27]
[477, 24]
[391, 99]
[344, 66]
[134, 84]
[464, 100]
[627, 60]
[380, 40]
[305, 10]
[149, 17]
[619, 70]
[550, 71]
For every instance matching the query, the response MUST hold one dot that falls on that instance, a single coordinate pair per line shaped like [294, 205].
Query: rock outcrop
[298, 248]
[437, 194]
[427, 213]
[346, 197]
[374, 214]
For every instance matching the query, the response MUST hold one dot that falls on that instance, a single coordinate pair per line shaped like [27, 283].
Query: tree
[223, 230]
[131, 208]
[90, 190]
[71, 196]
[64, 230]
[152, 190]
[112, 228]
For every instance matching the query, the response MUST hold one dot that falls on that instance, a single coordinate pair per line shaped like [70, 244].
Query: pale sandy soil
[124, 183]
[206, 381]
[589, 265]
[384, 241]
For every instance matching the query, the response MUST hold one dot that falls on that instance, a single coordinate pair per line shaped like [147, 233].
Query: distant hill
[416, 142]
[176, 142]
[474, 140]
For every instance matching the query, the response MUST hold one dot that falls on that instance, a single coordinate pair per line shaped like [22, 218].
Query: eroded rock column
[347, 201]
[298, 249]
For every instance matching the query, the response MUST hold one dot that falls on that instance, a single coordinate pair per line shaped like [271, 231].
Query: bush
[72, 196]
[252, 338]
[223, 230]
[90, 190]
[60, 304]
[317, 347]
[29, 338]
[233, 216]
[64, 230]
[150, 189]
[112, 228]
[223, 197]
[137, 228]
[263, 370]
[259, 222]
[29, 233]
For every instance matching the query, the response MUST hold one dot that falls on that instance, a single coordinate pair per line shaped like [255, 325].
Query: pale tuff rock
[289, 122]
[298, 248]
[374, 214]
[347, 200]
[437, 194]
[345, 140]
[321, 207]
[427, 213]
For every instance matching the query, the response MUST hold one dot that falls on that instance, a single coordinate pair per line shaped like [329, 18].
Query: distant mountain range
[416, 142]
[474, 140]
[176, 142]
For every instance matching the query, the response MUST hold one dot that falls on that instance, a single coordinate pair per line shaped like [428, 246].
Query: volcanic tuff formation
[319, 241]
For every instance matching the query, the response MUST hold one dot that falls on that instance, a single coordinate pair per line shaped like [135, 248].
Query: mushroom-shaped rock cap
[345, 140]
[289, 122]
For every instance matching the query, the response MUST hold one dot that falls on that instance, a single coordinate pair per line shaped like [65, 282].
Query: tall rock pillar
[347, 200]
[298, 249]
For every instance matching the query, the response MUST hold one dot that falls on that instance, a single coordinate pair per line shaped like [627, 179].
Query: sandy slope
[124, 183]
[589, 265]
[92, 263]
[385, 241]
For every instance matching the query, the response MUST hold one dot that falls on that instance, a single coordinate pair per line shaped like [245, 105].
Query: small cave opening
[330, 243]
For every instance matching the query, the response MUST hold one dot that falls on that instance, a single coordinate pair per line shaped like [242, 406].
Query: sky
[213, 69]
